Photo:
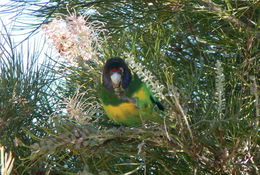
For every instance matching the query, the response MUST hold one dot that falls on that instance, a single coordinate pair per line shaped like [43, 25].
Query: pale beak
[116, 78]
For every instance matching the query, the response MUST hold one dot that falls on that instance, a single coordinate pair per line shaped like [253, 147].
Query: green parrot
[124, 97]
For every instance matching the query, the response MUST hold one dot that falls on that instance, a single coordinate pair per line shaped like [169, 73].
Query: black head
[116, 64]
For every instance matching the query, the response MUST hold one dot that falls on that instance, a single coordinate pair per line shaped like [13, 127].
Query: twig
[176, 100]
[211, 6]
[257, 105]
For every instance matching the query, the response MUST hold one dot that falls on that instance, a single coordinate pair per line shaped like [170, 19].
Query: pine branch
[225, 15]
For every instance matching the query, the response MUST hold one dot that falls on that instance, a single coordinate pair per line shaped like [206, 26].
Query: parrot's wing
[157, 103]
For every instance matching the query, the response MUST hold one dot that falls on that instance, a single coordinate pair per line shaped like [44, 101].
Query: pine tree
[200, 58]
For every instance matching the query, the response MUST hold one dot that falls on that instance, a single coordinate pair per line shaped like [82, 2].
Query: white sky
[17, 36]
[8, 21]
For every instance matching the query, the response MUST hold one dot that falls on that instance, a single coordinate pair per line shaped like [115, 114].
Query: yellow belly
[120, 112]
[128, 113]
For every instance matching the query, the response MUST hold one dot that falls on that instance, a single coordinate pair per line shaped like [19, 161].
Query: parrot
[125, 98]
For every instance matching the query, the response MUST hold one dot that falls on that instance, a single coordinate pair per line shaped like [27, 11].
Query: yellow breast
[121, 112]
[128, 112]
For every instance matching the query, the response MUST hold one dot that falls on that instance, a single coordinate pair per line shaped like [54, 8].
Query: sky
[5, 17]
[36, 41]
[9, 21]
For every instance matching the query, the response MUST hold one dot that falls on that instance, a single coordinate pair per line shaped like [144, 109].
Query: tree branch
[212, 7]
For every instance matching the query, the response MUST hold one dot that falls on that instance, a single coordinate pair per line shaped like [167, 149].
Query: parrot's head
[116, 74]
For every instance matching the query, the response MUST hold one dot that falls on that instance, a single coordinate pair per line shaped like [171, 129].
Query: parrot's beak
[116, 78]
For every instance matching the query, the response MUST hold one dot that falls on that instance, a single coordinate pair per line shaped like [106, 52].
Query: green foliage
[205, 54]
[25, 94]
